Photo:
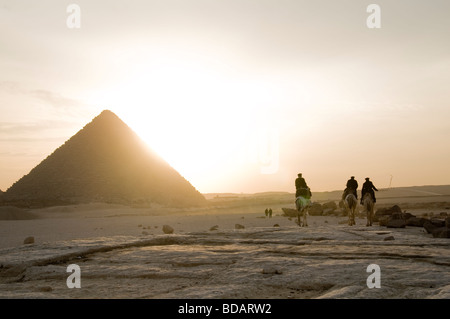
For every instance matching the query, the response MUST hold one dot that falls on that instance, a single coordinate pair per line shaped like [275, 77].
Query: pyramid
[104, 162]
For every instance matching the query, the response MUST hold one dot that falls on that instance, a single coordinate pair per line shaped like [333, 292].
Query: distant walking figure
[368, 187]
[352, 186]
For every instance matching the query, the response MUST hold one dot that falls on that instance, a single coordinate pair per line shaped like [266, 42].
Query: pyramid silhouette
[104, 162]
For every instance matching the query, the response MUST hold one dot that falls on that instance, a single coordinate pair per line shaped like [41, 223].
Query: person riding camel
[368, 187]
[351, 187]
[301, 188]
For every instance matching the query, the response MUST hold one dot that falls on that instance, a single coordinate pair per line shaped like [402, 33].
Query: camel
[302, 205]
[368, 207]
[350, 203]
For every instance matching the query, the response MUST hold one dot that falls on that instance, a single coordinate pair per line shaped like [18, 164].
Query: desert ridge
[104, 162]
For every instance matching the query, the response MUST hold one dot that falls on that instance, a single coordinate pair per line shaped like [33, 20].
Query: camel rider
[368, 187]
[301, 189]
[352, 186]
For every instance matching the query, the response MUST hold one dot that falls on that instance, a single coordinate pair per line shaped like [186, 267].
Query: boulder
[215, 227]
[167, 229]
[330, 205]
[408, 216]
[447, 222]
[396, 223]
[315, 209]
[437, 222]
[416, 221]
[45, 289]
[389, 238]
[289, 212]
[397, 215]
[383, 220]
[28, 240]
[386, 211]
[328, 212]
[441, 232]
[271, 271]
[429, 227]
[394, 218]
[394, 209]
[239, 226]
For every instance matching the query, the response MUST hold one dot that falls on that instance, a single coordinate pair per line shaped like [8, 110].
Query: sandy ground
[123, 253]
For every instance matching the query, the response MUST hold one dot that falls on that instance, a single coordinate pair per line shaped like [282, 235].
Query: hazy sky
[237, 95]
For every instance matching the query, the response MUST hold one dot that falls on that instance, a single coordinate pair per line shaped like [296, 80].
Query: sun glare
[198, 117]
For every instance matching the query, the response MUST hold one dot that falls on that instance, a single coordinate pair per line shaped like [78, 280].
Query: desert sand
[123, 252]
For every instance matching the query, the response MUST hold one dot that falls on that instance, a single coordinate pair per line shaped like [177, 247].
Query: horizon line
[335, 190]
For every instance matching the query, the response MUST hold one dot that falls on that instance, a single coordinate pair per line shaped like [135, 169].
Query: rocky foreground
[264, 258]
[392, 217]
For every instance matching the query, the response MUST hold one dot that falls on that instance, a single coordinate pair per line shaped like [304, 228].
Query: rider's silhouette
[368, 187]
[301, 188]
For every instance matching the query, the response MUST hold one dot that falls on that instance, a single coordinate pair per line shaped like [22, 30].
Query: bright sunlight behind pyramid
[105, 162]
